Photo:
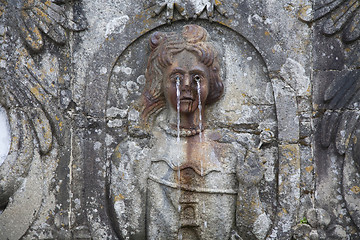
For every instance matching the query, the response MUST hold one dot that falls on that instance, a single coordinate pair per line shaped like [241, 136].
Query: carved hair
[164, 46]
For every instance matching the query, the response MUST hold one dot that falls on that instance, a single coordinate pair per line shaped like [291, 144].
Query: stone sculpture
[252, 134]
[187, 181]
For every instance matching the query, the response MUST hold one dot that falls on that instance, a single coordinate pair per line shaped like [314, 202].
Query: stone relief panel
[224, 150]
[292, 110]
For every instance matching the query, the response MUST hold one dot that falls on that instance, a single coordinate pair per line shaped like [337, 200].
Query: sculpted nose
[186, 81]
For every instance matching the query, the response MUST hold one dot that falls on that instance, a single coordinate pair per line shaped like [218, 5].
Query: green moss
[304, 221]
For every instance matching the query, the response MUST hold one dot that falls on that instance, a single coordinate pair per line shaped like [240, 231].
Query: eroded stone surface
[72, 73]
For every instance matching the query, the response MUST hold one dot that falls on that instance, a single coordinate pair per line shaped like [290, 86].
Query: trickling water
[200, 122]
[200, 107]
[178, 107]
[178, 123]
[178, 140]
[178, 128]
[200, 138]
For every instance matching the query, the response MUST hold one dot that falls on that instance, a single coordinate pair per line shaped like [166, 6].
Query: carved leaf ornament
[340, 123]
[31, 87]
[341, 16]
[340, 120]
[189, 9]
[38, 17]
[27, 91]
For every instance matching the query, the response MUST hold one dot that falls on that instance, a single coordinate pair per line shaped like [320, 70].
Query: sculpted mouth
[186, 98]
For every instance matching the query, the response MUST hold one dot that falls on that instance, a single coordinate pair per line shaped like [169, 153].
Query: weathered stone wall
[80, 162]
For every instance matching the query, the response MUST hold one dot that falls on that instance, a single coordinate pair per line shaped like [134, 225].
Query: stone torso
[186, 180]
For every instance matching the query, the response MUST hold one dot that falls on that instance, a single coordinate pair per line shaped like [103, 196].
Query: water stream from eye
[178, 127]
[179, 146]
[200, 122]
[200, 108]
[178, 108]
[200, 139]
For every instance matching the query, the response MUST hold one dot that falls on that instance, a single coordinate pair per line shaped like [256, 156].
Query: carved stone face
[188, 70]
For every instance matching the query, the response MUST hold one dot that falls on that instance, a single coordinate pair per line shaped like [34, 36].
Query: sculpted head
[187, 58]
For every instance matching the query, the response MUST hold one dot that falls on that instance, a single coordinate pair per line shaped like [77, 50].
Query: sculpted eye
[177, 77]
[197, 78]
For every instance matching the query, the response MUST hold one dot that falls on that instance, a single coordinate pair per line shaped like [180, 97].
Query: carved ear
[155, 39]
